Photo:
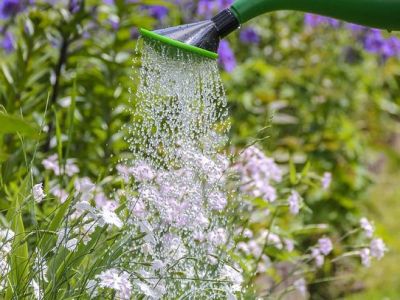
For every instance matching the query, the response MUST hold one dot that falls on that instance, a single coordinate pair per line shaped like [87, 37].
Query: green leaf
[58, 136]
[48, 241]
[306, 169]
[293, 179]
[19, 258]
[13, 124]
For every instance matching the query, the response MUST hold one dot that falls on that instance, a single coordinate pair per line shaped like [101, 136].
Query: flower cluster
[323, 248]
[116, 280]
[207, 8]
[249, 36]
[257, 173]
[226, 57]
[377, 247]
[187, 201]
[373, 40]
[316, 20]
[9, 8]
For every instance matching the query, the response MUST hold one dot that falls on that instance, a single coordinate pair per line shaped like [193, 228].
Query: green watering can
[203, 37]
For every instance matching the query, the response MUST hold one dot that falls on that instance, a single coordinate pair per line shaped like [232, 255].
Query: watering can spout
[203, 37]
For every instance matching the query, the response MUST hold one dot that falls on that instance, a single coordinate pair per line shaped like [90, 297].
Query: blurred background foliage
[305, 93]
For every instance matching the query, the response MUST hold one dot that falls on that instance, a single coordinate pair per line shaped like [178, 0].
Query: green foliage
[313, 99]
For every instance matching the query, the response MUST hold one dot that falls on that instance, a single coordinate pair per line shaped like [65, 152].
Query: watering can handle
[384, 14]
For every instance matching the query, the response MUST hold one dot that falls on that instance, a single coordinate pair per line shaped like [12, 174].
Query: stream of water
[177, 191]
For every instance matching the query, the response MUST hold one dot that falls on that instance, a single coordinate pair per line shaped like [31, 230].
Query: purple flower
[375, 42]
[391, 47]
[114, 22]
[9, 8]
[249, 36]
[8, 42]
[157, 11]
[134, 33]
[74, 6]
[355, 27]
[315, 20]
[226, 56]
[325, 246]
[208, 7]
[108, 2]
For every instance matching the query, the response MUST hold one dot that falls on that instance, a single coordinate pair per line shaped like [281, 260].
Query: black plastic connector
[225, 22]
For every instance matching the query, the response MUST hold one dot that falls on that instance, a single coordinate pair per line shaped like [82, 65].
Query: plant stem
[62, 59]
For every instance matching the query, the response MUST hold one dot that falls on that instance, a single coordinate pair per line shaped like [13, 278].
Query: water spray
[203, 37]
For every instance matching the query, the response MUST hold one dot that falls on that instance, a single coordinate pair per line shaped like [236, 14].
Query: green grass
[382, 280]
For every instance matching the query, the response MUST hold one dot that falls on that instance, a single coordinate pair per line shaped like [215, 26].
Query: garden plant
[248, 181]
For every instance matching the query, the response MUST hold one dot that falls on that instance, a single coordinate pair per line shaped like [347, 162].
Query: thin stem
[62, 60]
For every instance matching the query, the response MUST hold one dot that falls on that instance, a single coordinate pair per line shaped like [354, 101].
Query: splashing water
[177, 180]
[180, 101]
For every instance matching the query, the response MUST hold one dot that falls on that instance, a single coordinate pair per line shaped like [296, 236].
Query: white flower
[294, 202]
[267, 192]
[4, 269]
[51, 163]
[378, 248]
[150, 290]
[116, 280]
[84, 206]
[233, 275]
[257, 171]
[217, 201]
[124, 171]
[6, 240]
[36, 290]
[319, 258]
[289, 244]
[247, 233]
[71, 168]
[365, 257]
[143, 172]
[217, 237]
[300, 285]
[40, 267]
[138, 208]
[157, 265]
[254, 248]
[273, 239]
[85, 187]
[243, 247]
[326, 180]
[367, 227]
[60, 193]
[110, 218]
[63, 240]
[264, 264]
[91, 288]
[101, 201]
[325, 246]
[38, 193]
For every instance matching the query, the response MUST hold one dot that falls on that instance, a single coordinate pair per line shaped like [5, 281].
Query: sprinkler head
[201, 38]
